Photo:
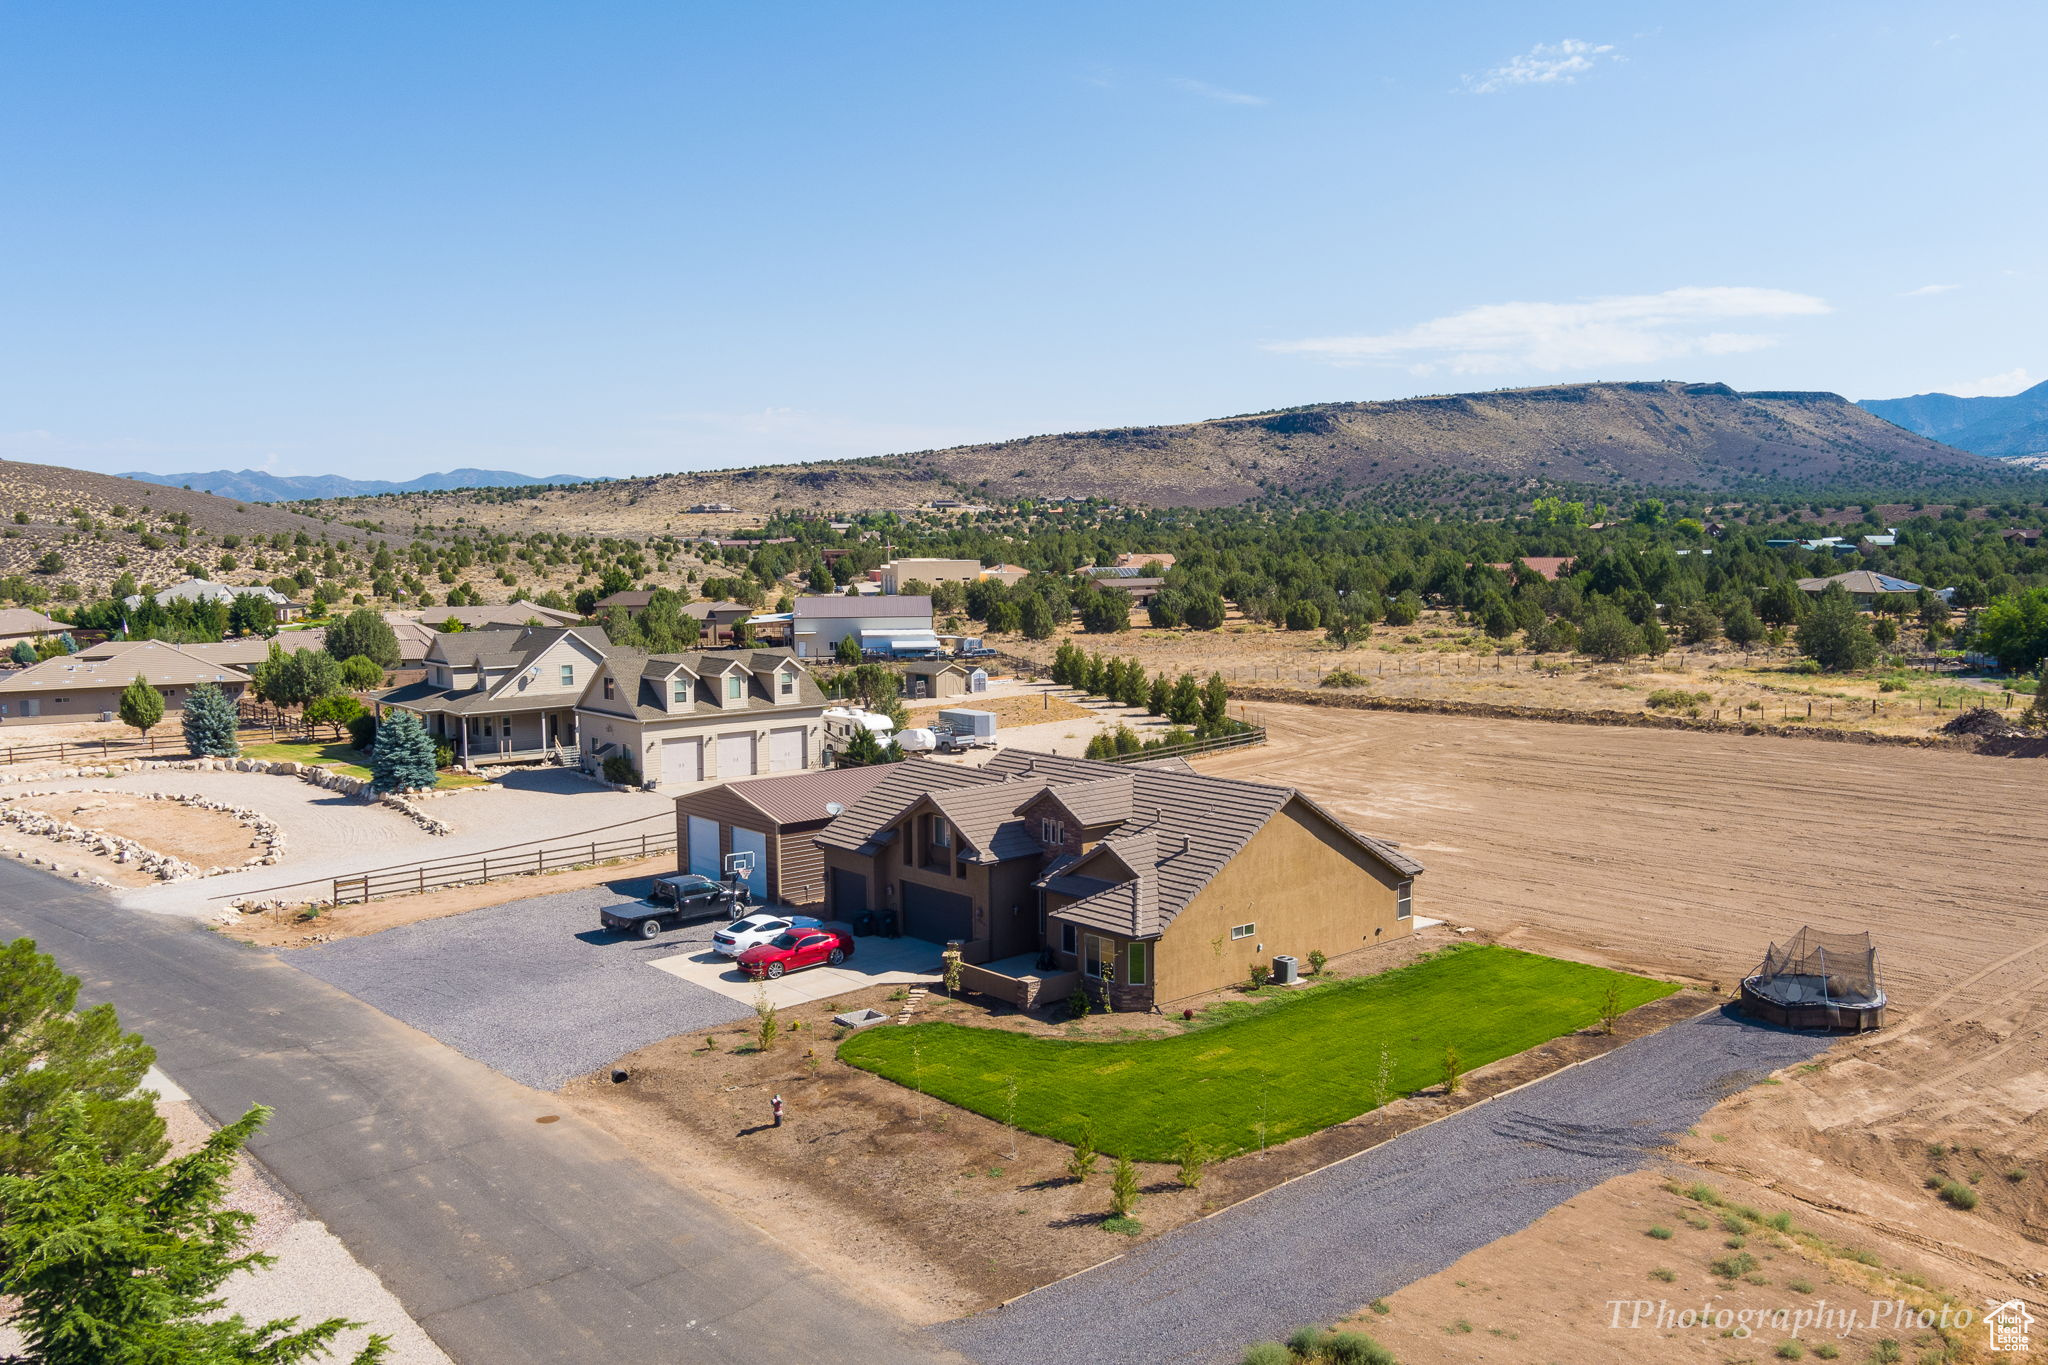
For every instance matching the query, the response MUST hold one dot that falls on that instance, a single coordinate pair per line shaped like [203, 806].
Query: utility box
[1286, 970]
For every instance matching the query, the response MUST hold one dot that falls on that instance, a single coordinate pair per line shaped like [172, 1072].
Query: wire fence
[1242, 739]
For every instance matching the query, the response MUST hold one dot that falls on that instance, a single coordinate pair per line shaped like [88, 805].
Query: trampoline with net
[1818, 980]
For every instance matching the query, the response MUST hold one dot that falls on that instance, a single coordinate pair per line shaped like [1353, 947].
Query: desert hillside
[1456, 449]
[99, 525]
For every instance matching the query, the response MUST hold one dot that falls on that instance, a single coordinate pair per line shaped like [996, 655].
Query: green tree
[865, 750]
[1834, 634]
[1036, 618]
[1610, 636]
[1741, 625]
[252, 614]
[336, 708]
[2014, 629]
[50, 1052]
[1779, 604]
[23, 653]
[118, 1259]
[1123, 1188]
[403, 758]
[363, 632]
[142, 706]
[1215, 702]
[1157, 696]
[1203, 611]
[210, 722]
[359, 673]
[1405, 610]
[847, 651]
[1184, 704]
[1105, 611]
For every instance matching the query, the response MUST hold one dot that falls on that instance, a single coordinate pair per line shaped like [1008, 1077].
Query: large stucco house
[569, 695]
[1155, 882]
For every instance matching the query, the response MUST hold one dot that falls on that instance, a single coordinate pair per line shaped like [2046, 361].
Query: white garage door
[735, 756]
[682, 760]
[756, 843]
[785, 749]
[704, 847]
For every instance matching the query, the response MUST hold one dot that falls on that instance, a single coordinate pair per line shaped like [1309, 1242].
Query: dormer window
[568, 675]
[1052, 833]
[678, 690]
[735, 687]
[785, 684]
[608, 689]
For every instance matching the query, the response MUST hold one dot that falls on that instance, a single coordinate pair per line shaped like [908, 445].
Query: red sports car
[795, 950]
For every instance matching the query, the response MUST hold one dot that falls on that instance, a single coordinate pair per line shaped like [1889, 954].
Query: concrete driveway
[875, 962]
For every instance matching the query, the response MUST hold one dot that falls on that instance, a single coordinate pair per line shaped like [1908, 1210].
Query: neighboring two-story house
[1155, 881]
[681, 718]
[505, 695]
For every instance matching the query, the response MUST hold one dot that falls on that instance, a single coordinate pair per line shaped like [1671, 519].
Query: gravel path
[531, 989]
[1321, 1247]
[327, 834]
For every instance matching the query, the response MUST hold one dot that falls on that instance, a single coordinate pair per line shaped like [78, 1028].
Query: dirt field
[206, 838]
[1036, 708]
[1439, 660]
[1683, 855]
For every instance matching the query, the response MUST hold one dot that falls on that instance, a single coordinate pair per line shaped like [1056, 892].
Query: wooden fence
[167, 743]
[471, 869]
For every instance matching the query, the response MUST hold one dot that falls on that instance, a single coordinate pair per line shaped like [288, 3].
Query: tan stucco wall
[1304, 884]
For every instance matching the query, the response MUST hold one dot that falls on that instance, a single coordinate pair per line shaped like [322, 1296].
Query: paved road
[509, 1241]
[532, 989]
[1319, 1248]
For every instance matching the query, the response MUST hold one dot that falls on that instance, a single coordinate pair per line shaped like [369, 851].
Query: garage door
[735, 756]
[930, 913]
[682, 760]
[785, 749]
[704, 847]
[756, 843]
[849, 893]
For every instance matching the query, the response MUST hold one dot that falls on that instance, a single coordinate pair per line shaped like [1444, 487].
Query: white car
[742, 934]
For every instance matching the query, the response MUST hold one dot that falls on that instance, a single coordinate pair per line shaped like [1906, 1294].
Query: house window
[735, 688]
[678, 690]
[1134, 965]
[568, 675]
[942, 833]
[1242, 931]
[1052, 833]
[1067, 933]
[1404, 907]
[785, 684]
[608, 687]
[1091, 960]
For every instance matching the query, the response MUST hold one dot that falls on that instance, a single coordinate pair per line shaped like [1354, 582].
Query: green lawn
[339, 756]
[1312, 1055]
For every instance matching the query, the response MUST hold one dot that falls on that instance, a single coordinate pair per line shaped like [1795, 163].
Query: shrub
[1123, 1188]
[1081, 1161]
[1316, 959]
[1343, 677]
[444, 753]
[1078, 1004]
[1260, 975]
[1266, 1353]
[1307, 1341]
[619, 770]
[362, 732]
[1660, 1232]
[1959, 1195]
[1454, 1070]
[1356, 1348]
[1676, 699]
[1790, 1350]
[1733, 1267]
[1192, 1159]
[1667, 1276]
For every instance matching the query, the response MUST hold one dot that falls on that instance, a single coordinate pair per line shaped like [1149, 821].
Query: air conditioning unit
[106, 716]
[1286, 970]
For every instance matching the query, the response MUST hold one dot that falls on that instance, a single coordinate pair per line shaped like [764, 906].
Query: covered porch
[539, 735]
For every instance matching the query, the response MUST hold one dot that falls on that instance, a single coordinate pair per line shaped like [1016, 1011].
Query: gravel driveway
[531, 989]
[1321, 1247]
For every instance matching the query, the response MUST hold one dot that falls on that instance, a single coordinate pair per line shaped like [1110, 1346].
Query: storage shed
[940, 678]
[773, 818]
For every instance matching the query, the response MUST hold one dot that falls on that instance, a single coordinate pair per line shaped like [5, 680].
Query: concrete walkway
[1333, 1241]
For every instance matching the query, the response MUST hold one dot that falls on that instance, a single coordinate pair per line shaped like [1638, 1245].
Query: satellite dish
[834, 808]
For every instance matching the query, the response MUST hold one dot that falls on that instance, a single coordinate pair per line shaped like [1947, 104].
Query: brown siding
[800, 864]
[718, 803]
[1303, 883]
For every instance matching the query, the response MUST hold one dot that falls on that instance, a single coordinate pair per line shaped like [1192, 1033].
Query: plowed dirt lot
[1683, 855]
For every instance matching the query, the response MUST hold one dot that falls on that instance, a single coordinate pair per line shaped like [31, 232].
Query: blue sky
[616, 237]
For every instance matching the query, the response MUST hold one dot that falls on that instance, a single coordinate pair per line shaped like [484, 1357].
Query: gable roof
[801, 798]
[648, 676]
[1859, 581]
[1176, 828]
[22, 621]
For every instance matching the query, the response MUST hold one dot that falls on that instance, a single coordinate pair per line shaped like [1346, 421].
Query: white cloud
[1583, 336]
[1926, 289]
[1544, 64]
[1995, 385]
[1216, 92]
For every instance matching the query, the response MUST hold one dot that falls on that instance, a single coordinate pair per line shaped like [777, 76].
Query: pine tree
[1834, 634]
[1215, 702]
[117, 1260]
[142, 706]
[210, 723]
[403, 758]
[49, 1050]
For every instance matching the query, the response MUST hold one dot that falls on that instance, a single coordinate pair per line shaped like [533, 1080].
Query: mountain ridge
[2001, 426]
[256, 485]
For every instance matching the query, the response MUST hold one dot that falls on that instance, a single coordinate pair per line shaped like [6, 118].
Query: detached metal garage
[773, 818]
